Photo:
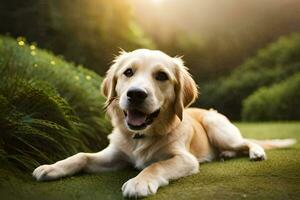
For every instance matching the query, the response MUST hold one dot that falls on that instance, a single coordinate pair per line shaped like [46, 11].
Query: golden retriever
[148, 93]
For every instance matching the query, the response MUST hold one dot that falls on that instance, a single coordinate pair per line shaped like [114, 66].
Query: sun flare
[157, 1]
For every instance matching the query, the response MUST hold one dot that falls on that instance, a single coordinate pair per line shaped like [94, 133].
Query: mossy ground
[276, 178]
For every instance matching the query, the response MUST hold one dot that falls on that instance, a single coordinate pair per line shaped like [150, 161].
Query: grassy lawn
[276, 178]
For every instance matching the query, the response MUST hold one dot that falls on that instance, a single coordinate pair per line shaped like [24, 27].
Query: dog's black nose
[136, 95]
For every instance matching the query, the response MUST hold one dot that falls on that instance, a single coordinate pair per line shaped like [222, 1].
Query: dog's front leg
[108, 159]
[158, 174]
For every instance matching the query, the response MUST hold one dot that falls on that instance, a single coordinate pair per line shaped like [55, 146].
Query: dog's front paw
[47, 172]
[257, 153]
[141, 187]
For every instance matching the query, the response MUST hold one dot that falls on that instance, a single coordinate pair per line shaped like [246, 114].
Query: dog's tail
[275, 143]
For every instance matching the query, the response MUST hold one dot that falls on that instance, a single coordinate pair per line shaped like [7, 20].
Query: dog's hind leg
[227, 138]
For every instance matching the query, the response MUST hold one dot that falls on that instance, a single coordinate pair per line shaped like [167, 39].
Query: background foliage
[220, 40]
[278, 102]
[50, 109]
[277, 62]
[215, 36]
[85, 32]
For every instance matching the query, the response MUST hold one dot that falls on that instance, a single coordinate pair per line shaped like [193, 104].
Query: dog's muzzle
[137, 120]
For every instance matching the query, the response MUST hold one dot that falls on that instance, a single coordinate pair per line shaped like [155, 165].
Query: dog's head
[149, 87]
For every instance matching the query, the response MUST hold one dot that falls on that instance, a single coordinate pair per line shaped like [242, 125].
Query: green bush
[278, 102]
[272, 64]
[50, 109]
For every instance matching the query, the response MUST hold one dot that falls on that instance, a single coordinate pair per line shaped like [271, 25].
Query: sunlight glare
[157, 1]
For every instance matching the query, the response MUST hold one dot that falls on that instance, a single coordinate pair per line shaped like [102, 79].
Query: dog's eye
[128, 72]
[161, 76]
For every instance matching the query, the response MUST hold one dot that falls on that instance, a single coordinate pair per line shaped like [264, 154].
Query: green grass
[276, 178]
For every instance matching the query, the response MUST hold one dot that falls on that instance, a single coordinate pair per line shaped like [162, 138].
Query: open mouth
[137, 120]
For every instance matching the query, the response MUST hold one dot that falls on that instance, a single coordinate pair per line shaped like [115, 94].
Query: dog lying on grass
[148, 95]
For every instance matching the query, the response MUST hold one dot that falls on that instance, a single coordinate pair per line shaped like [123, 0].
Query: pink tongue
[135, 118]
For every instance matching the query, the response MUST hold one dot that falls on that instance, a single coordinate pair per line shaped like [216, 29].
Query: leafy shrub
[278, 102]
[50, 109]
[271, 64]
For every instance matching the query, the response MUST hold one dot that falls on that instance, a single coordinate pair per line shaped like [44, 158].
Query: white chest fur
[145, 152]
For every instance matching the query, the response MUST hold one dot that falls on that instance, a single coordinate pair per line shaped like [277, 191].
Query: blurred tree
[216, 36]
[86, 32]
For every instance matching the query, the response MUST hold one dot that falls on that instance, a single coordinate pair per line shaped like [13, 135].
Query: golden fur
[177, 140]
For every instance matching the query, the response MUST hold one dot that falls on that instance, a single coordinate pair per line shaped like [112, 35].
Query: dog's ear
[108, 86]
[185, 89]
[110, 81]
